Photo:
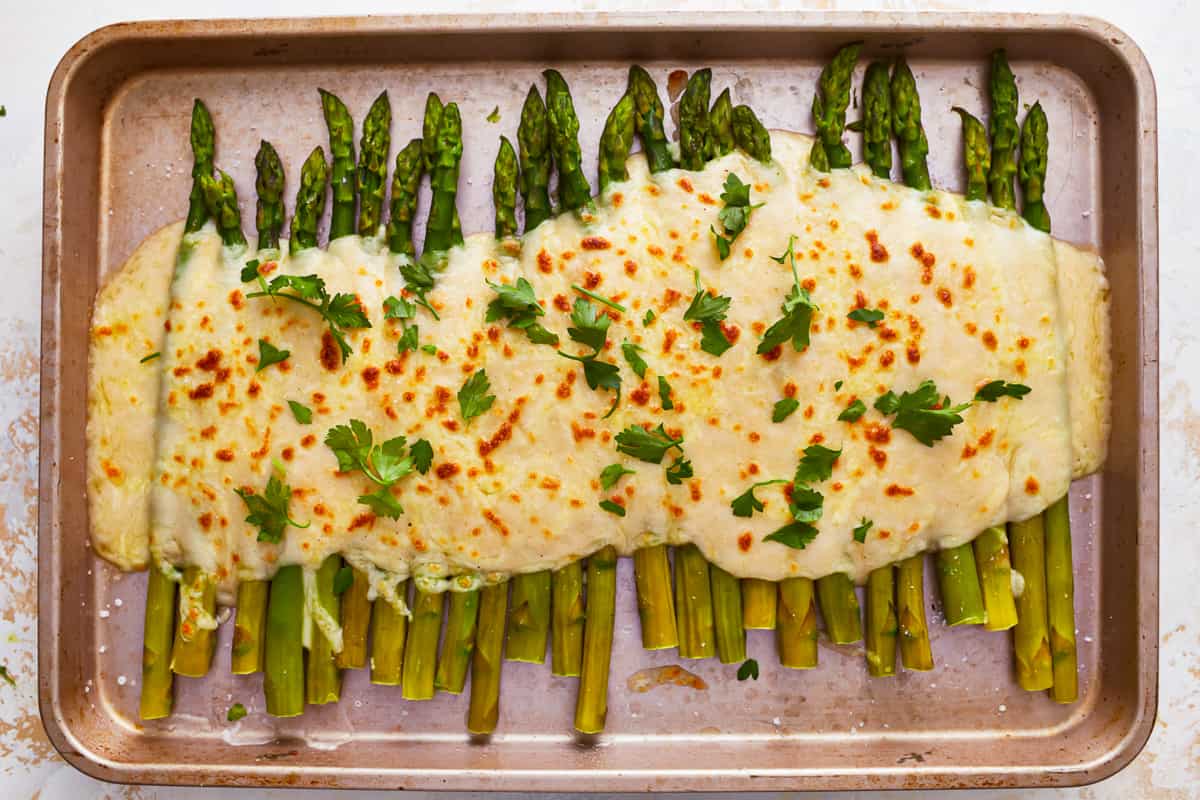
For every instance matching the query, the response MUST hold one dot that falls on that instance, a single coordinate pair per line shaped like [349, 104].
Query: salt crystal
[103, 649]
[1003, 708]
[117, 602]
[121, 680]
[103, 613]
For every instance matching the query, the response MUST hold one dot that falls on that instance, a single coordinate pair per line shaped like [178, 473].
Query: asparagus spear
[431, 123]
[727, 616]
[388, 629]
[356, 619]
[488, 660]
[202, 139]
[995, 578]
[751, 136]
[877, 120]
[533, 140]
[283, 657]
[268, 218]
[977, 154]
[882, 625]
[504, 190]
[1060, 601]
[406, 182]
[759, 604]
[693, 603]
[440, 230]
[915, 653]
[573, 189]
[420, 654]
[615, 142]
[829, 110]
[591, 705]
[1032, 174]
[566, 643]
[191, 654]
[906, 124]
[962, 599]
[459, 642]
[693, 120]
[839, 608]
[649, 119]
[158, 698]
[323, 679]
[310, 201]
[220, 195]
[529, 617]
[720, 126]
[373, 150]
[656, 603]
[1031, 639]
[1002, 125]
[341, 151]
[796, 637]
[247, 653]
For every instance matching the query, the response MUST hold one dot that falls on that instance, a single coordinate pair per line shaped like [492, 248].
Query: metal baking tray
[116, 169]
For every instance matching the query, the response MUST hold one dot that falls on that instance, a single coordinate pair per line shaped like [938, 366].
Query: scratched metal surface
[966, 722]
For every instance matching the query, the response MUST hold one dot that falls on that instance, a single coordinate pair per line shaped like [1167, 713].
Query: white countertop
[35, 37]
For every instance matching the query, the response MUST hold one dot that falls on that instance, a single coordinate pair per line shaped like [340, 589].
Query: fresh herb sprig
[269, 510]
[591, 330]
[734, 216]
[341, 311]
[709, 310]
[922, 412]
[797, 309]
[420, 276]
[518, 304]
[384, 464]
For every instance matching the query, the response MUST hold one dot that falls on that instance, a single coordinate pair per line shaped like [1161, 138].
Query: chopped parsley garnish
[797, 309]
[860, 531]
[341, 312]
[520, 307]
[745, 504]
[806, 504]
[784, 409]
[269, 354]
[591, 330]
[494, 117]
[403, 310]
[709, 310]
[735, 215]
[664, 394]
[420, 277]
[599, 298]
[994, 390]
[4, 673]
[383, 464]
[410, 340]
[748, 669]
[302, 413]
[647, 445]
[649, 317]
[236, 711]
[837, 385]
[250, 273]
[269, 510]
[680, 470]
[853, 412]
[473, 397]
[632, 353]
[796, 535]
[150, 357]
[613, 508]
[922, 413]
[871, 316]
[431, 349]
[3, 111]
[343, 580]
[816, 465]
[422, 455]
[599, 375]
[613, 473]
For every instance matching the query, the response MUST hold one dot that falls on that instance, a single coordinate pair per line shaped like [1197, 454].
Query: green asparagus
[720, 127]
[655, 598]
[310, 201]
[829, 110]
[567, 620]
[268, 218]
[693, 603]
[158, 699]
[533, 141]
[529, 617]
[591, 705]
[203, 140]
[877, 120]
[440, 230]
[341, 176]
[323, 679]
[882, 625]
[1032, 173]
[906, 124]
[649, 115]
[573, 190]
[615, 142]
[796, 637]
[248, 627]
[373, 150]
[388, 630]
[484, 710]
[693, 121]
[283, 659]
[220, 195]
[406, 182]
[962, 598]
[458, 643]
[420, 653]
[977, 155]
[1002, 125]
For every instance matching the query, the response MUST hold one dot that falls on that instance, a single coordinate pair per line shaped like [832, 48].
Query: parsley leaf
[302, 413]
[871, 316]
[745, 504]
[269, 510]
[269, 354]
[816, 465]
[520, 307]
[150, 357]
[664, 394]
[613, 508]
[422, 455]
[807, 504]
[647, 445]
[632, 353]
[860, 532]
[431, 349]
[398, 308]
[591, 329]
[236, 711]
[797, 308]
[599, 298]
[599, 375]
[382, 503]
[837, 385]
[709, 310]
[649, 317]
[494, 117]
[680, 470]
[473, 397]
[384, 464]
[784, 409]
[341, 312]
[796, 535]
[8, 678]
[748, 669]
[410, 339]
[420, 277]
[993, 391]
[343, 580]
[613, 473]
[250, 271]
[922, 413]
[853, 412]
[734, 216]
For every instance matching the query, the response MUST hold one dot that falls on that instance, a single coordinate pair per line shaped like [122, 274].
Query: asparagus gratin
[763, 372]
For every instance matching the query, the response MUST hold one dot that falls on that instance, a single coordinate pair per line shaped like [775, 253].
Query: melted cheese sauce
[970, 294]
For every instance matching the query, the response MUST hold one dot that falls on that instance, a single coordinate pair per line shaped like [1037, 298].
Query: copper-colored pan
[116, 169]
